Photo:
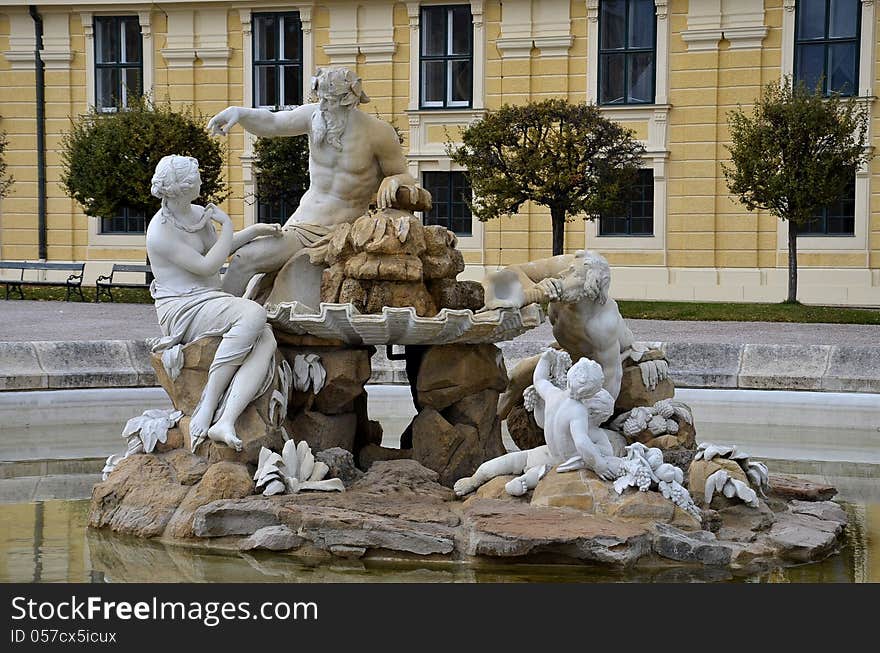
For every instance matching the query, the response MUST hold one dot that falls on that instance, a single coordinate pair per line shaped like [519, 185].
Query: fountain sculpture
[269, 366]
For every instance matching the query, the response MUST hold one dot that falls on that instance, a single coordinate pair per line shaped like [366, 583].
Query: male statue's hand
[220, 124]
[387, 192]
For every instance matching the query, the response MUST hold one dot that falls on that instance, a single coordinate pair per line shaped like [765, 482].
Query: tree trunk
[557, 215]
[792, 262]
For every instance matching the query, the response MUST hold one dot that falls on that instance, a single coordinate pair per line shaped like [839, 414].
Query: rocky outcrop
[388, 258]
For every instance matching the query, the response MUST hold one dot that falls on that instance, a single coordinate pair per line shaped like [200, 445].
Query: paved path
[22, 320]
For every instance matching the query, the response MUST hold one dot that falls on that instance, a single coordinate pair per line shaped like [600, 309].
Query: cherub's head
[176, 177]
[588, 277]
[585, 378]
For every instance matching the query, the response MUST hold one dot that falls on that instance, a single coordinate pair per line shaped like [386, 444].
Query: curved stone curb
[126, 363]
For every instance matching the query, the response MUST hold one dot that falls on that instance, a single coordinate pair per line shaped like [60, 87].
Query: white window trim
[858, 243]
[478, 53]
[308, 63]
[96, 238]
[87, 18]
[657, 242]
[661, 56]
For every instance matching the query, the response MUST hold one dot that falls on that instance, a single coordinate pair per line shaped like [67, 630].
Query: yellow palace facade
[670, 70]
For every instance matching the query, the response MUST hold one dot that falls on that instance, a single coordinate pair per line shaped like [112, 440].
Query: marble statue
[354, 160]
[586, 321]
[186, 255]
[570, 419]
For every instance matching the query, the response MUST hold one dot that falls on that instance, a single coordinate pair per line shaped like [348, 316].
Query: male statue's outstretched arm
[262, 122]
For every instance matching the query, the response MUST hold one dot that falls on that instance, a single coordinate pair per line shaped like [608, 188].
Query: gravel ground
[31, 320]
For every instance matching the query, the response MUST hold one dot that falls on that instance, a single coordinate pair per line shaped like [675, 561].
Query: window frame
[127, 217]
[278, 63]
[826, 41]
[626, 51]
[823, 216]
[448, 102]
[119, 32]
[449, 200]
[645, 181]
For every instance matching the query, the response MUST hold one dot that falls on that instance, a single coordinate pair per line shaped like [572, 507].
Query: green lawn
[702, 311]
[42, 293]
[641, 309]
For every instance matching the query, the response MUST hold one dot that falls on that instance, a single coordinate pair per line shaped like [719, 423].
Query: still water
[43, 534]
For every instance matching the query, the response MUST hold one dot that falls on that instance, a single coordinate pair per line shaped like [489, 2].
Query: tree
[564, 156]
[794, 155]
[108, 159]
[5, 181]
[281, 166]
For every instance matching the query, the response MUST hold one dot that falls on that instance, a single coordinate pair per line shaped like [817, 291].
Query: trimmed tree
[281, 168]
[795, 154]
[564, 156]
[5, 180]
[108, 159]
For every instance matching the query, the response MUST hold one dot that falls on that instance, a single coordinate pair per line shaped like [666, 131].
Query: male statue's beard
[328, 126]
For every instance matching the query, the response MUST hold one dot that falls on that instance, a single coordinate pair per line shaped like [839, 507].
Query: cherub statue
[186, 255]
[570, 418]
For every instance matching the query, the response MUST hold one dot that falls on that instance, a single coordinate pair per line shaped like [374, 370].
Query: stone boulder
[453, 450]
[341, 465]
[634, 393]
[324, 431]
[138, 498]
[523, 429]
[224, 480]
[385, 259]
[586, 492]
[449, 373]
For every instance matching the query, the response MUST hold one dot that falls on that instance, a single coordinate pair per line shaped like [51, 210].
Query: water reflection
[48, 541]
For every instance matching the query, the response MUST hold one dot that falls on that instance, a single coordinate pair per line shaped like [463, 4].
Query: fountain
[266, 372]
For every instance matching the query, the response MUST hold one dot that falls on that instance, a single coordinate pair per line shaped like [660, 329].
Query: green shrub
[5, 181]
[281, 167]
[108, 159]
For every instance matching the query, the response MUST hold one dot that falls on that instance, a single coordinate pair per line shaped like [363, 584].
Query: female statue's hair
[174, 176]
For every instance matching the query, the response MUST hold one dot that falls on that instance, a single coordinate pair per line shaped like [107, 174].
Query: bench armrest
[74, 277]
[105, 277]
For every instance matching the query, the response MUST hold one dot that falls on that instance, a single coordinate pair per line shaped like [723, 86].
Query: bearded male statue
[354, 160]
[586, 321]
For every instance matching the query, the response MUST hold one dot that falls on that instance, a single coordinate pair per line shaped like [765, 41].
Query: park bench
[73, 283]
[106, 282]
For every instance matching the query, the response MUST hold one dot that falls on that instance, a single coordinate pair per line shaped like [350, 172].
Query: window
[118, 61]
[826, 45]
[278, 70]
[837, 219]
[130, 222]
[638, 218]
[276, 212]
[450, 193]
[446, 56]
[627, 51]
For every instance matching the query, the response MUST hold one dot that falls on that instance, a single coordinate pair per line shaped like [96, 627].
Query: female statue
[186, 255]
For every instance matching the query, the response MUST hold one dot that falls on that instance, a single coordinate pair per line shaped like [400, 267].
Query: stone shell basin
[401, 326]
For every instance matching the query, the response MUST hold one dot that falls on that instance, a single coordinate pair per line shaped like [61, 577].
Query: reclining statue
[586, 321]
[570, 418]
[186, 256]
[354, 160]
